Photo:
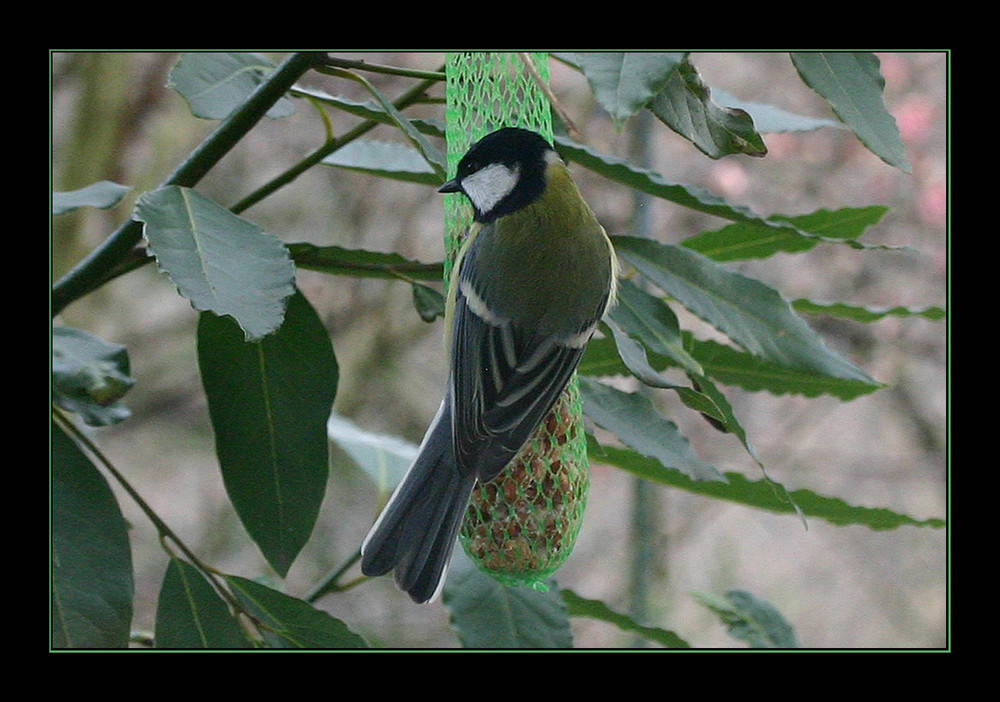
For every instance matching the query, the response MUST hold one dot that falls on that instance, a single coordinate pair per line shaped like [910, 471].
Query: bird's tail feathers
[416, 532]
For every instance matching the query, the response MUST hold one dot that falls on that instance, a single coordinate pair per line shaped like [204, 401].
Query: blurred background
[113, 117]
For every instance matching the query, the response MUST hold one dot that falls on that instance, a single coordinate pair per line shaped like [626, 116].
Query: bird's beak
[452, 186]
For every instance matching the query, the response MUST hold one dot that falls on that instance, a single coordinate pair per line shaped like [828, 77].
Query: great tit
[532, 280]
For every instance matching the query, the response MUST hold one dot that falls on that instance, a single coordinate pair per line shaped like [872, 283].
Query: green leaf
[632, 418]
[288, 622]
[620, 171]
[428, 302]
[383, 457]
[734, 367]
[652, 322]
[215, 84]
[385, 160]
[750, 240]
[646, 181]
[269, 402]
[750, 619]
[759, 494]
[90, 376]
[852, 83]
[867, 314]
[685, 105]
[749, 312]
[624, 83]
[191, 614]
[703, 397]
[595, 609]
[102, 195]
[602, 357]
[221, 262]
[368, 110]
[719, 413]
[487, 614]
[336, 260]
[769, 119]
[91, 560]
[729, 366]
[431, 155]
[633, 355]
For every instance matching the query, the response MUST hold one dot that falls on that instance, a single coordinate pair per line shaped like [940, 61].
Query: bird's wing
[504, 381]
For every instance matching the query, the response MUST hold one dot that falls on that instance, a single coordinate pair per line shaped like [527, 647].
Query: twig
[553, 100]
[92, 270]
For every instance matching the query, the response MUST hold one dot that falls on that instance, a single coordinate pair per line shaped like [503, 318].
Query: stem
[162, 529]
[165, 533]
[329, 583]
[532, 69]
[645, 523]
[433, 76]
[92, 270]
[311, 257]
[119, 254]
[412, 96]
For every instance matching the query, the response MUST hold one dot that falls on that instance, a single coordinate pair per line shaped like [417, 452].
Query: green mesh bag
[522, 525]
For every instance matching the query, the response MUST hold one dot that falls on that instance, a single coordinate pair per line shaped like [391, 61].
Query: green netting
[521, 526]
[487, 91]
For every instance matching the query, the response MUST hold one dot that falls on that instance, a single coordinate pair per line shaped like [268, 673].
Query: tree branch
[92, 270]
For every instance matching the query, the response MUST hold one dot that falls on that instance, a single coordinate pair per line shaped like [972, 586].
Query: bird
[534, 277]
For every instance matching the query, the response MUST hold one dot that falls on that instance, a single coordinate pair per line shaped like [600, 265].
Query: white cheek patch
[490, 185]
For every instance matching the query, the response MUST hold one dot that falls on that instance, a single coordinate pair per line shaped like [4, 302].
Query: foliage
[270, 374]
